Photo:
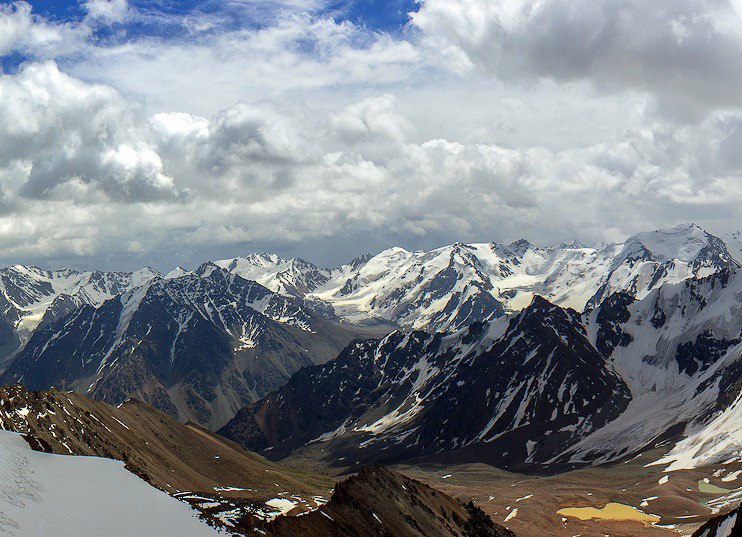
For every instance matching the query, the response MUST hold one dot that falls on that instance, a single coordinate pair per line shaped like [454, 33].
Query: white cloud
[112, 177]
[75, 137]
[372, 118]
[107, 10]
[310, 128]
[206, 73]
[22, 31]
[685, 52]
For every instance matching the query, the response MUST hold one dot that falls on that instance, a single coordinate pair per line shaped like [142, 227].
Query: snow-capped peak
[26, 292]
[177, 272]
[292, 277]
[574, 244]
[684, 242]
[520, 246]
[447, 287]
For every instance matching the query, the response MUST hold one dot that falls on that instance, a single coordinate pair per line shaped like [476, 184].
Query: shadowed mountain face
[198, 347]
[544, 389]
[168, 454]
[381, 502]
[31, 297]
[726, 525]
[512, 393]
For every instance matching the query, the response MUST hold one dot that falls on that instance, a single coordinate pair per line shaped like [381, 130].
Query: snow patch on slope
[720, 440]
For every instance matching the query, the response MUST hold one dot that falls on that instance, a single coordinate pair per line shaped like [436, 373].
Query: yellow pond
[612, 511]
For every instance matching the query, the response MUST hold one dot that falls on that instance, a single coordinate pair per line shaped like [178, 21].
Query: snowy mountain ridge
[545, 386]
[198, 346]
[449, 287]
[442, 289]
[681, 355]
[653, 320]
[29, 291]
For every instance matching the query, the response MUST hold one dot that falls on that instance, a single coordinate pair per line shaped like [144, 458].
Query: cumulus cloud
[74, 137]
[373, 118]
[309, 128]
[685, 52]
[84, 155]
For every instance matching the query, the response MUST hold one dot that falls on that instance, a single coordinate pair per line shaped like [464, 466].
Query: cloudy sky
[169, 132]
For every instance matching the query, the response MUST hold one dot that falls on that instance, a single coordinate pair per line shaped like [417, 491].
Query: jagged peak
[458, 245]
[299, 263]
[146, 270]
[205, 270]
[520, 246]
[361, 260]
[265, 256]
[256, 259]
[574, 244]
[539, 301]
[542, 307]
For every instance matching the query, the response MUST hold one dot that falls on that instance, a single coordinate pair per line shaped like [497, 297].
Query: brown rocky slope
[231, 487]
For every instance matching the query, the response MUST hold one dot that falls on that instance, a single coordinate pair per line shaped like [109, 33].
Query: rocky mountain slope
[514, 392]
[30, 296]
[380, 502]
[226, 484]
[450, 287]
[544, 388]
[199, 346]
[229, 487]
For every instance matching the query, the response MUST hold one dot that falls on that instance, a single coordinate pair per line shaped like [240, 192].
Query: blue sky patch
[383, 15]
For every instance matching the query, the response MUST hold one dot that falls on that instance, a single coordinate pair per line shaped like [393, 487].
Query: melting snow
[283, 505]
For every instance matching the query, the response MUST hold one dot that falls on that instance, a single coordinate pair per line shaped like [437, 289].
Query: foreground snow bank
[43, 494]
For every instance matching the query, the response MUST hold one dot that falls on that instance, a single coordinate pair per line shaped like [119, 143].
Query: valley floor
[528, 505]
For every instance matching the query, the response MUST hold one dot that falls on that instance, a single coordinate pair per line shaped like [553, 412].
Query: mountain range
[451, 287]
[537, 360]
[553, 352]
[655, 355]
[198, 346]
